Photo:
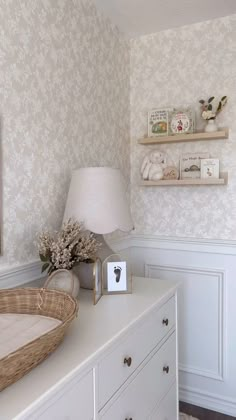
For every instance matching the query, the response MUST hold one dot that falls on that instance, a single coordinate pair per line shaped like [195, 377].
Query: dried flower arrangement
[67, 247]
[212, 107]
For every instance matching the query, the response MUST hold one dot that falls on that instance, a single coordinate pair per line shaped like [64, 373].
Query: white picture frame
[210, 168]
[108, 278]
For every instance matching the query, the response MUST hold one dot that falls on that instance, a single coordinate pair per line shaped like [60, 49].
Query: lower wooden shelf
[223, 180]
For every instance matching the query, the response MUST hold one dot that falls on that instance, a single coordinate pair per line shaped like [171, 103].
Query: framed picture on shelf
[181, 121]
[115, 276]
[190, 164]
[210, 168]
[158, 122]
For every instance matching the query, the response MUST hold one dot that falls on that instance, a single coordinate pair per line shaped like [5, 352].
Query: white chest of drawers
[117, 362]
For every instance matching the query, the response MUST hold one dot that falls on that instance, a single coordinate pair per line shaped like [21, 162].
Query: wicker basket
[51, 303]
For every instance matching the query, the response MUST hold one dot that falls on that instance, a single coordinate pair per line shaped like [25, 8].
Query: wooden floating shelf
[178, 138]
[187, 181]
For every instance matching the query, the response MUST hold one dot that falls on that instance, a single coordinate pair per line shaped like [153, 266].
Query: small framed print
[210, 168]
[97, 281]
[115, 276]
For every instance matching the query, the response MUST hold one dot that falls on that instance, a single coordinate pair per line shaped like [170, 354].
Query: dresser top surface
[94, 330]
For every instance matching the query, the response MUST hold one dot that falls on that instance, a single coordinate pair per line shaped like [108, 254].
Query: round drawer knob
[166, 369]
[128, 361]
[165, 321]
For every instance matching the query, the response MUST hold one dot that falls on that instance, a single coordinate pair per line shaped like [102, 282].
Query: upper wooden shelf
[178, 138]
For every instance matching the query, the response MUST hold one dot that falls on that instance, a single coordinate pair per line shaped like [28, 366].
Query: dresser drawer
[122, 362]
[167, 409]
[141, 396]
[113, 371]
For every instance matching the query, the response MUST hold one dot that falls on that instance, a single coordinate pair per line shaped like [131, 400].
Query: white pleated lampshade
[97, 197]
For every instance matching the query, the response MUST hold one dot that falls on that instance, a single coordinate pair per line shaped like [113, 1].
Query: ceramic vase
[211, 126]
[85, 273]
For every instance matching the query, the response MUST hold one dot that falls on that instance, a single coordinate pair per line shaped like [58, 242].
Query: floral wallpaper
[67, 79]
[176, 68]
[64, 81]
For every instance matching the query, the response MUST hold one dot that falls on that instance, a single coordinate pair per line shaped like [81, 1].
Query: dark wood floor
[202, 413]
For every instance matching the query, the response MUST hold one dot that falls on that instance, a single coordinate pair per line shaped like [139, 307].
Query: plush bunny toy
[153, 165]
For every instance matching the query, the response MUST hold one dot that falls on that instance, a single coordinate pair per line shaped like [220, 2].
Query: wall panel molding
[153, 270]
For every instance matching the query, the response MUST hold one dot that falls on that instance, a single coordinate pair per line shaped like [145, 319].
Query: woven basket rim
[34, 289]
[28, 356]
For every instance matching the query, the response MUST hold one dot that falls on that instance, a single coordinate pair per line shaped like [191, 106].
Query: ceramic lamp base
[85, 270]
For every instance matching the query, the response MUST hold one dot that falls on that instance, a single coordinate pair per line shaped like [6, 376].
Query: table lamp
[97, 198]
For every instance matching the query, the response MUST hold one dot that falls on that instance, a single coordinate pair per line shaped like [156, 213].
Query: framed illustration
[210, 168]
[190, 164]
[97, 281]
[158, 122]
[181, 121]
[115, 276]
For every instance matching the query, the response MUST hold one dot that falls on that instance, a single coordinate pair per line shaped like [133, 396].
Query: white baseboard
[207, 400]
[21, 274]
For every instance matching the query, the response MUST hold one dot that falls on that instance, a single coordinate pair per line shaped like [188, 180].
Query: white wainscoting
[207, 286]
[207, 312]
[207, 308]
